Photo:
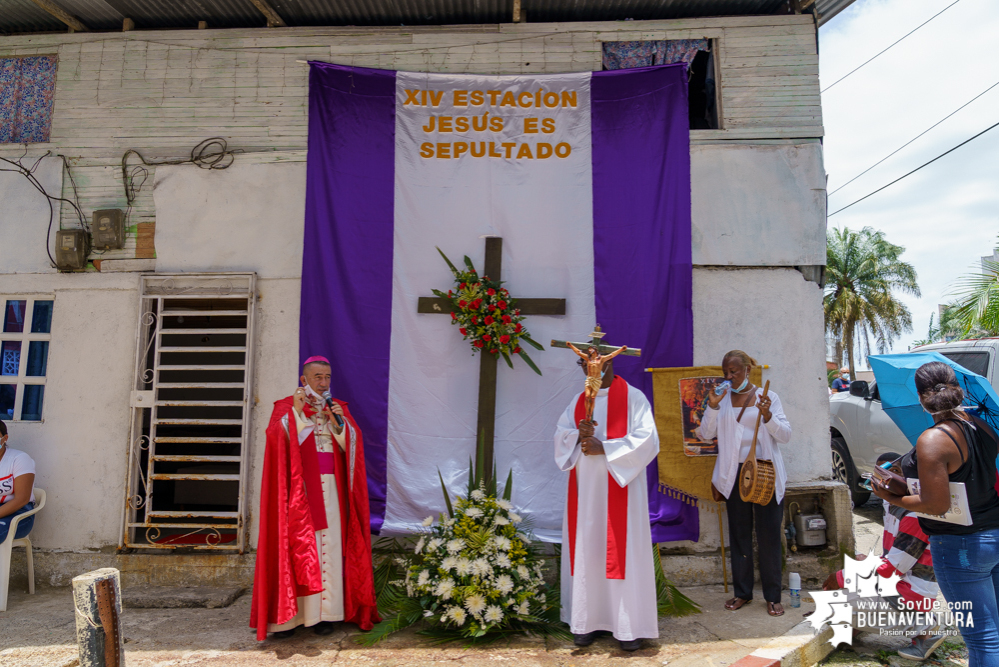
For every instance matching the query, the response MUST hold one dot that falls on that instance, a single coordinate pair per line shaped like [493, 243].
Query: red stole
[312, 469]
[617, 495]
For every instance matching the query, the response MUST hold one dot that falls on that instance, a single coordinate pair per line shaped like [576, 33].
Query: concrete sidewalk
[39, 631]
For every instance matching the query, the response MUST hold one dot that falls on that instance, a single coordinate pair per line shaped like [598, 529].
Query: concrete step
[178, 597]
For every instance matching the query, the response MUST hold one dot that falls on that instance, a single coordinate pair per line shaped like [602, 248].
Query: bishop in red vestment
[314, 546]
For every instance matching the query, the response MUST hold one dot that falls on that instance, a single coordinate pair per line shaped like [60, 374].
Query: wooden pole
[486, 426]
[97, 598]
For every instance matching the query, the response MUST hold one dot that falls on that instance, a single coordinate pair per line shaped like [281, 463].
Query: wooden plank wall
[161, 92]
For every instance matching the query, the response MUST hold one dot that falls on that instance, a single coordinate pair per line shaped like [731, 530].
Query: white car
[860, 429]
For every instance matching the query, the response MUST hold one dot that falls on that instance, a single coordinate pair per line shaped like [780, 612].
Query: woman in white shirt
[731, 416]
[17, 481]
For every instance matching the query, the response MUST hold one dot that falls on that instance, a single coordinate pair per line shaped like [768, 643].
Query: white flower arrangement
[475, 572]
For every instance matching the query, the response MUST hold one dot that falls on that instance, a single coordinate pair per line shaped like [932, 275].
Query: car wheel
[844, 471]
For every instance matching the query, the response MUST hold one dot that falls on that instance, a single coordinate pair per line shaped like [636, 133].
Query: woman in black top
[958, 448]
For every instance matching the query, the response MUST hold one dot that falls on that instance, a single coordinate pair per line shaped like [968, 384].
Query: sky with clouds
[946, 215]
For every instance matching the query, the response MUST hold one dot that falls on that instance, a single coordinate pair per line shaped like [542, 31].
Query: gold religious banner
[685, 461]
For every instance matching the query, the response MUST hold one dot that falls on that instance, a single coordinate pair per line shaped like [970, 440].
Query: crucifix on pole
[595, 356]
[486, 423]
[595, 341]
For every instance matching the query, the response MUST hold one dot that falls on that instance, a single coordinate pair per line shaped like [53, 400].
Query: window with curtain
[696, 54]
[27, 90]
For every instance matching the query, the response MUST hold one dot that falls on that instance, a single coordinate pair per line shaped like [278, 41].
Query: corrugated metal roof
[830, 8]
[25, 16]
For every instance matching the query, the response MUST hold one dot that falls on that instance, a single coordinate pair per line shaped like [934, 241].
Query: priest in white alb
[608, 580]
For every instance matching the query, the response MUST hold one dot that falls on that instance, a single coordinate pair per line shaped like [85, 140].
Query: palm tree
[932, 334]
[977, 307]
[863, 274]
[949, 327]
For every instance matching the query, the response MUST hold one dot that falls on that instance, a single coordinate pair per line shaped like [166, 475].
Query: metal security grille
[191, 413]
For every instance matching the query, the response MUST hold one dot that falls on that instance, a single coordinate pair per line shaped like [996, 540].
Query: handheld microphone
[329, 404]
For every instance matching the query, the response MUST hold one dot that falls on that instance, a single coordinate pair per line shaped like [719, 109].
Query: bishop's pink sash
[617, 495]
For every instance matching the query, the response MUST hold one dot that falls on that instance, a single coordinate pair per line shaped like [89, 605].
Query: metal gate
[190, 405]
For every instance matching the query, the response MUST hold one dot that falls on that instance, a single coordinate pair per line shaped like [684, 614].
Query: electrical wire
[891, 45]
[29, 172]
[991, 127]
[212, 153]
[914, 138]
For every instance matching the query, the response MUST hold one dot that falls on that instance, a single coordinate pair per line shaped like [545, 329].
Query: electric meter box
[71, 249]
[109, 229]
[811, 530]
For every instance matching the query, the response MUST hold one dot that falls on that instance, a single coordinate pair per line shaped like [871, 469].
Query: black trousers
[741, 517]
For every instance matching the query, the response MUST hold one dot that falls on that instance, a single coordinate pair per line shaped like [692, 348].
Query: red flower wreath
[486, 314]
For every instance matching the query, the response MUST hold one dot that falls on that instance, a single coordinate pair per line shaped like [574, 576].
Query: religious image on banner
[693, 400]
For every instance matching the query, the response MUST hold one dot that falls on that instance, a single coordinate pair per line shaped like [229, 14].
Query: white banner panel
[484, 156]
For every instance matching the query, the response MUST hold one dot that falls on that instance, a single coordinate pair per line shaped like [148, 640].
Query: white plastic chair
[25, 542]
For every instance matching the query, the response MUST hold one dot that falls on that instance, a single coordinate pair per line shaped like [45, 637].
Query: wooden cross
[486, 426]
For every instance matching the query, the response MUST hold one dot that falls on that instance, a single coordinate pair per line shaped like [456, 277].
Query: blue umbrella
[896, 377]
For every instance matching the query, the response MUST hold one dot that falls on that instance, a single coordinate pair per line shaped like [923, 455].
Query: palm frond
[447, 496]
[491, 484]
[409, 615]
[480, 458]
[508, 489]
[670, 601]
[530, 341]
[529, 362]
[453, 268]
[977, 304]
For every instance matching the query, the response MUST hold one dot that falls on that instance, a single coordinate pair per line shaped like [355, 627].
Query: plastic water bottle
[722, 387]
[794, 586]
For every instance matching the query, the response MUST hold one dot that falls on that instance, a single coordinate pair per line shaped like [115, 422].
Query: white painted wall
[80, 446]
[758, 205]
[24, 216]
[248, 217]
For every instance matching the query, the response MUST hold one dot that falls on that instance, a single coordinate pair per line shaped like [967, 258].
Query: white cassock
[590, 601]
[328, 605]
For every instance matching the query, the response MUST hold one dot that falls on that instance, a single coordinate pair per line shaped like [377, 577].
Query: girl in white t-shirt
[17, 481]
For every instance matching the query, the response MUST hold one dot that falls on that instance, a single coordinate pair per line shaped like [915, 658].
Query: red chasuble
[617, 495]
[292, 510]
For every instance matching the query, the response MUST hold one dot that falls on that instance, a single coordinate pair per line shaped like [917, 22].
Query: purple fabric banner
[641, 239]
[347, 259]
[641, 242]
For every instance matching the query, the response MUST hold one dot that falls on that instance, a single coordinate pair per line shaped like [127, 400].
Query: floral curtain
[625, 55]
[27, 89]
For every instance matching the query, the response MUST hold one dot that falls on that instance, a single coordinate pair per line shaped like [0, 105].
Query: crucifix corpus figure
[605, 441]
[595, 363]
